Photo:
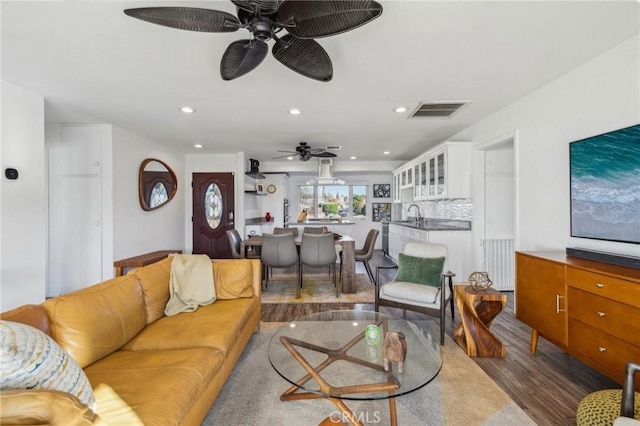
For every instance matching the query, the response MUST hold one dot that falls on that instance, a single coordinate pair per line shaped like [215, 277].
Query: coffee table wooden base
[293, 393]
[477, 310]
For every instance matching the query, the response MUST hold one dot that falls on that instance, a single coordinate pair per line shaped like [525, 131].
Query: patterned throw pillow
[420, 270]
[29, 359]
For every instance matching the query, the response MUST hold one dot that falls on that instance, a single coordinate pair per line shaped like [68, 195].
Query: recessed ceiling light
[197, 146]
[400, 109]
[353, 157]
[187, 109]
[294, 111]
[386, 153]
[289, 158]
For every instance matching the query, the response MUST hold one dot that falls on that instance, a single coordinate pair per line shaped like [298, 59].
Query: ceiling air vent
[437, 109]
[333, 148]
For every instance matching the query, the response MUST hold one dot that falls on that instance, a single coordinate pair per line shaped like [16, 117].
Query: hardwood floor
[548, 386]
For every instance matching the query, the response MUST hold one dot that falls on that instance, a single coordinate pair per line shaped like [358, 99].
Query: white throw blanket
[190, 284]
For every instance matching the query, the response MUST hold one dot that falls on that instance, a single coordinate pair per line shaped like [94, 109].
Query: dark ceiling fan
[304, 20]
[305, 152]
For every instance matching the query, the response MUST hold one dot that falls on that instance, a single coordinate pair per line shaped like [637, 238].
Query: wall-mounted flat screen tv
[605, 186]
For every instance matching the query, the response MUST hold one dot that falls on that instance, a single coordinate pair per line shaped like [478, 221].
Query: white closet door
[75, 209]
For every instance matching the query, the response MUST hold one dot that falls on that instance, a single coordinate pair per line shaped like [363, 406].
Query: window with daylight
[333, 201]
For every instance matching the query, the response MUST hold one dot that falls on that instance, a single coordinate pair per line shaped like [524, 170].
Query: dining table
[348, 245]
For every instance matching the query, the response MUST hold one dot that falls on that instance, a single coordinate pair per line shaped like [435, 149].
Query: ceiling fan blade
[266, 7]
[306, 57]
[324, 154]
[322, 18]
[187, 18]
[241, 57]
[283, 156]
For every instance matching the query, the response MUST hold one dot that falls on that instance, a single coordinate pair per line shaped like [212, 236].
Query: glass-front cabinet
[397, 194]
[407, 177]
[443, 173]
[420, 176]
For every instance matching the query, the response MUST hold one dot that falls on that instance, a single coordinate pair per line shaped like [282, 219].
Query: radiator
[499, 263]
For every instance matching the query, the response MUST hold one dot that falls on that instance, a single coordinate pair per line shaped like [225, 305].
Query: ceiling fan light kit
[303, 20]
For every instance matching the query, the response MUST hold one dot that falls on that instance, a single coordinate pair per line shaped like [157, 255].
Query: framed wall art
[381, 190]
[381, 212]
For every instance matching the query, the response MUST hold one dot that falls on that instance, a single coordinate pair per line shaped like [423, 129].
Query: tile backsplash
[456, 209]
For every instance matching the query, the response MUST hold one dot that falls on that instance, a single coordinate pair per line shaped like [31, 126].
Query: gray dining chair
[234, 241]
[293, 231]
[312, 230]
[365, 253]
[279, 251]
[318, 250]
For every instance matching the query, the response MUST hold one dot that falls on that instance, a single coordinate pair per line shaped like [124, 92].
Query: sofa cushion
[217, 326]
[420, 270]
[411, 293]
[160, 386]
[154, 280]
[112, 409]
[30, 359]
[95, 321]
[233, 279]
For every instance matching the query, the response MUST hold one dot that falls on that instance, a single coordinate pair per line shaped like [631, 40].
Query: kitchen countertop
[436, 224]
[321, 223]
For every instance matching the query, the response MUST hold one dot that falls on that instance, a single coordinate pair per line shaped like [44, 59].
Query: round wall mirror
[157, 184]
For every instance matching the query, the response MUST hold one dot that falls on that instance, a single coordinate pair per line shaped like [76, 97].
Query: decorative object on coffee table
[394, 349]
[372, 335]
[480, 281]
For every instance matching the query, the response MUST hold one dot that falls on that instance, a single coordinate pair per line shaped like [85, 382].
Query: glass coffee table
[327, 355]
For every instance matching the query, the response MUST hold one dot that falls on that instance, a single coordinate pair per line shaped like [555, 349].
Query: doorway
[213, 213]
[497, 215]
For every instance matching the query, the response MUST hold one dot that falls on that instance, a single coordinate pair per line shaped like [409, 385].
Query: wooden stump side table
[477, 309]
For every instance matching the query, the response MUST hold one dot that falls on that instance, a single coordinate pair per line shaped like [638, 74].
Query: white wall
[23, 202]
[136, 231]
[597, 97]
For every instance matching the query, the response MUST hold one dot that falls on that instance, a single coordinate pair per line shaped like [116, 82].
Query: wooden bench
[142, 260]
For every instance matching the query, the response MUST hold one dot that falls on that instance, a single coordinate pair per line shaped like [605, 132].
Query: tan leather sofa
[167, 370]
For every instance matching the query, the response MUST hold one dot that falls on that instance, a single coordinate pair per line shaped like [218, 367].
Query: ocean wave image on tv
[605, 186]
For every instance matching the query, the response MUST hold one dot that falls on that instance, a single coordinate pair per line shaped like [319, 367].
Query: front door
[213, 213]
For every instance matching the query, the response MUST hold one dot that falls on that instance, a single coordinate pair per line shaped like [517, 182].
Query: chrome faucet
[419, 219]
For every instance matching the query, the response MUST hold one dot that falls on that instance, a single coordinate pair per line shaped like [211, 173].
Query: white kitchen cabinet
[458, 244]
[420, 176]
[449, 171]
[397, 192]
[406, 176]
[460, 258]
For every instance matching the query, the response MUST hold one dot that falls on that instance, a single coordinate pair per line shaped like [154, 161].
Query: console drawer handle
[602, 349]
[601, 314]
[599, 285]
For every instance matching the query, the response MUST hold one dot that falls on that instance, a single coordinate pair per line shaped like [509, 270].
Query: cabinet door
[417, 195]
[441, 172]
[432, 177]
[396, 188]
[541, 297]
[423, 179]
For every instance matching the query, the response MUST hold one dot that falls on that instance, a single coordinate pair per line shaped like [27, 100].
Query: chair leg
[451, 300]
[334, 280]
[299, 280]
[369, 271]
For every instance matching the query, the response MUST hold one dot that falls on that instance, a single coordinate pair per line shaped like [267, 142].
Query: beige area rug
[460, 395]
[316, 288]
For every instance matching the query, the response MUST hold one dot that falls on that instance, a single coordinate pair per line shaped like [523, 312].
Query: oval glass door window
[158, 196]
[213, 206]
